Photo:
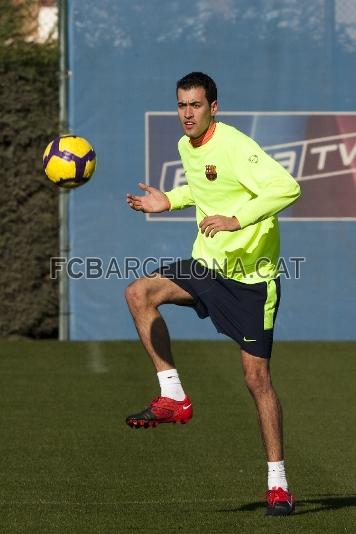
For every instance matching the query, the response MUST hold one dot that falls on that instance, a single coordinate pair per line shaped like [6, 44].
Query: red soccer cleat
[162, 410]
[279, 502]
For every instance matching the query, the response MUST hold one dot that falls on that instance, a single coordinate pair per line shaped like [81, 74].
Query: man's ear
[214, 107]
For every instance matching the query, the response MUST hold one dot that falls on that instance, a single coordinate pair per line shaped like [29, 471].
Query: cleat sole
[279, 513]
[280, 510]
[153, 424]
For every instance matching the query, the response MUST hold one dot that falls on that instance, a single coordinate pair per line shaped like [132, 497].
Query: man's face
[194, 111]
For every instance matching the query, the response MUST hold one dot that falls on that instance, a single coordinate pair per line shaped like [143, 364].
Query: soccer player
[237, 190]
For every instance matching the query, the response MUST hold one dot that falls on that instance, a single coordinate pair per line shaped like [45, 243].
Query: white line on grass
[119, 503]
[96, 359]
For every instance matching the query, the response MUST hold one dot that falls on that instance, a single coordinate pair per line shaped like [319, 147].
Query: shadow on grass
[315, 503]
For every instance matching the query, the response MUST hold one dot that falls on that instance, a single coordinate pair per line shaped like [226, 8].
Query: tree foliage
[28, 201]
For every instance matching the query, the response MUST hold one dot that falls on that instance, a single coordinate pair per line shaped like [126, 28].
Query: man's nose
[188, 112]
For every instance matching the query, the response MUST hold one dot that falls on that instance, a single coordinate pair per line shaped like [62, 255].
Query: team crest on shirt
[210, 172]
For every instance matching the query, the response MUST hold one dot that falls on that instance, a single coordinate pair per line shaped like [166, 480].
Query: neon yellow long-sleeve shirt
[245, 182]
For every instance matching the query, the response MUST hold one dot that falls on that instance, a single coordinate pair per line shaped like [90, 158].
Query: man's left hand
[217, 223]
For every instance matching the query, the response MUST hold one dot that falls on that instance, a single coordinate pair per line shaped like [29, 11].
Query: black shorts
[244, 312]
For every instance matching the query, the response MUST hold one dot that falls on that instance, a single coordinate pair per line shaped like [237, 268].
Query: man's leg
[269, 410]
[143, 297]
[258, 380]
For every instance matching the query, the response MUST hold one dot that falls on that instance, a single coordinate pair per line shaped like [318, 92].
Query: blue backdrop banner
[286, 75]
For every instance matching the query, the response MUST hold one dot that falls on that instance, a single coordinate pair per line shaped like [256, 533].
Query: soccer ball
[69, 161]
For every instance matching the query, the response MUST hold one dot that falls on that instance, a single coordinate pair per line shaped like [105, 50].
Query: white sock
[170, 385]
[277, 475]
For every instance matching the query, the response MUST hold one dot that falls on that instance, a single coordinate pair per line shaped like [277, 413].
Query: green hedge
[28, 201]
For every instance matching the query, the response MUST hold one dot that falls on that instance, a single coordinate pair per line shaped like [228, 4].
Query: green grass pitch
[69, 463]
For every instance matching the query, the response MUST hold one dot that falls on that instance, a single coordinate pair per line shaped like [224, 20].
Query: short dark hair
[199, 79]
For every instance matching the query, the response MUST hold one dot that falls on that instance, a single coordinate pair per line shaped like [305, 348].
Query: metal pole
[329, 6]
[63, 194]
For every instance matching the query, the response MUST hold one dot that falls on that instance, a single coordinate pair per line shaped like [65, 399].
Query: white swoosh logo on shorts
[186, 407]
[249, 340]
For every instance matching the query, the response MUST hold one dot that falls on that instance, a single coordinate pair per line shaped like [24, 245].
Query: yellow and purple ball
[69, 161]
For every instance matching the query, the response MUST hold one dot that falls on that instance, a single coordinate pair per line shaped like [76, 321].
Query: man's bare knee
[146, 292]
[256, 373]
[154, 291]
[257, 381]
[136, 293]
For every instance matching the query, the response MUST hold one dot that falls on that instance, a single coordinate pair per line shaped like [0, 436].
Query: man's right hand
[155, 202]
